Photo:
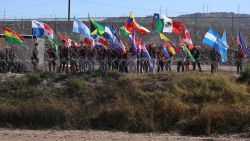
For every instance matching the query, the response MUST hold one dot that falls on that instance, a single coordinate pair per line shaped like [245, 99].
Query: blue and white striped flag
[214, 40]
[80, 27]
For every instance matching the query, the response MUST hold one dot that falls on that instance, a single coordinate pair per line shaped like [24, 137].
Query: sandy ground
[76, 135]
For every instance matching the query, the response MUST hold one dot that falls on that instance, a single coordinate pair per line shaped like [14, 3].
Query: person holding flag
[239, 59]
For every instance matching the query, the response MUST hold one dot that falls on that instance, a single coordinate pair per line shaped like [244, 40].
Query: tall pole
[69, 11]
[4, 15]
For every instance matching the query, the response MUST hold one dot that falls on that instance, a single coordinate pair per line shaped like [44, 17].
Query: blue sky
[110, 8]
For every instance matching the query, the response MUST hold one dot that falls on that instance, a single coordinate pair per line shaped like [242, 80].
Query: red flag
[66, 39]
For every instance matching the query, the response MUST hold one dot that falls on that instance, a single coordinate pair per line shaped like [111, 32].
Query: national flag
[53, 44]
[80, 27]
[224, 38]
[100, 41]
[186, 50]
[167, 43]
[111, 34]
[186, 37]
[214, 40]
[131, 24]
[68, 41]
[124, 31]
[145, 54]
[96, 28]
[12, 36]
[243, 45]
[161, 23]
[40, 29]
[86, 41]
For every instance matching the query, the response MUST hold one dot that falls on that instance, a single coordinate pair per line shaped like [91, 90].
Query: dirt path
[52, 135]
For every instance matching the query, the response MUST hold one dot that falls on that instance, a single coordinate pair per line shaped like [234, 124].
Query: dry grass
[189, 102]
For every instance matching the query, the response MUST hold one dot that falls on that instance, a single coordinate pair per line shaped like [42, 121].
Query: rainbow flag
[12, 36]
[169, 44]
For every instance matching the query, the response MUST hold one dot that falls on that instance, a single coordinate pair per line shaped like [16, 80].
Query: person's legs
[54, 65]
[49, 63]
[178, 66]
[194, 65]
[238, 67]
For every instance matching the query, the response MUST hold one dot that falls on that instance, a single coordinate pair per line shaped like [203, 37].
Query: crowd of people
[77, 59]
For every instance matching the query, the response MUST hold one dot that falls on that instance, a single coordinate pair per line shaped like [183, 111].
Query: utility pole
[69, 11]
[207, 8]
[4, 15]
[166, 11]
[238, 9]
[203, 7]
[160, 9]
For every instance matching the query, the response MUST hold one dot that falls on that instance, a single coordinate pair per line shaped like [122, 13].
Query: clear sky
[111, 8]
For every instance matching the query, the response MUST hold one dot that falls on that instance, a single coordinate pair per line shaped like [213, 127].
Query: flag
[186, 37]
[243, 45]
[214, 40]
[12, 36]
[131, 24]
[168, 44]
[100, 41]
[96, 28]
[145, 54]
[53, 44]
[68, 41]
[40, 29]
[124, 31]
[80, 27]
[224, 38]
[186, 50]
[111, 34]
[161, 23]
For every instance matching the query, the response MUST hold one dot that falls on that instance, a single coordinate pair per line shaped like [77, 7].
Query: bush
[245, 74]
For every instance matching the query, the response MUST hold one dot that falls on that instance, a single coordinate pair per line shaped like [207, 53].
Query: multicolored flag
[167, 43]
[80, 27]
[161, 24]
[100, 41]
[12, 36]
[96, 28]
[131, 24]
[68, 41]
[186, 50]
[40, 29]
[111, 35]
[243, 45]
[144, 53]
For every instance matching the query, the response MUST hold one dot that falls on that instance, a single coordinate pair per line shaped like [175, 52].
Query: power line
[32, 6]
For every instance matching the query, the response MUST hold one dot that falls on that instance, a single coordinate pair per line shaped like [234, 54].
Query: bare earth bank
[76, 135]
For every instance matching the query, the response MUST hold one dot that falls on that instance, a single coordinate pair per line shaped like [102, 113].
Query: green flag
[53, 44]
[190, 56]
[100, 29]
[124, 31]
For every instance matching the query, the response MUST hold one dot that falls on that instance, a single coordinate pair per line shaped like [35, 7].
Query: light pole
[69, 11]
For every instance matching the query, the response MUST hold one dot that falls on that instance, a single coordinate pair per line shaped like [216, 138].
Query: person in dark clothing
[63, 57]
[83, 57]
[239, 59]
[213, 58]
[181, 61]
[51, 52]
[73, 54]
[34, 57]
[196, 54]
[161, 60]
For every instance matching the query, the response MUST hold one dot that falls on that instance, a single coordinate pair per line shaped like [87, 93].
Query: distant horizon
[28, 18]
[29, 9]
